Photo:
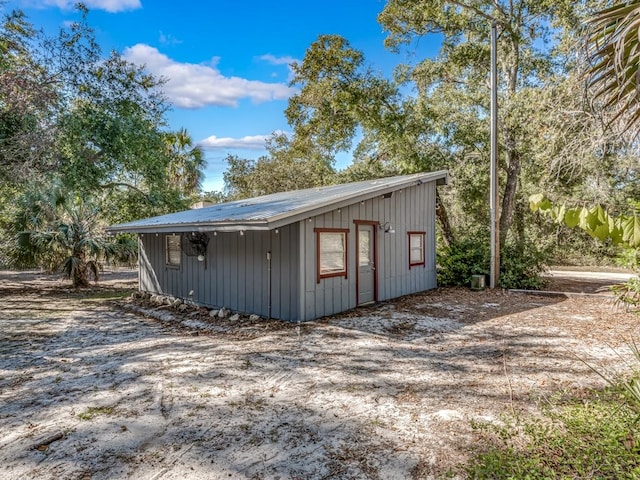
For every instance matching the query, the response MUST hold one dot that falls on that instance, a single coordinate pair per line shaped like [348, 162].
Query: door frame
[375, 224]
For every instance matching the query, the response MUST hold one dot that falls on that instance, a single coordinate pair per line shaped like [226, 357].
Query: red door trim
[375, 225]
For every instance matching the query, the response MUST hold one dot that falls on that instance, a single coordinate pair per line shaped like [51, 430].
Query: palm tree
[186, 162]
[65, 234]
[613, 48]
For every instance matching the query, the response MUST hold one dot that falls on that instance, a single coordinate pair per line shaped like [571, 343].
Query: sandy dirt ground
[93, 386]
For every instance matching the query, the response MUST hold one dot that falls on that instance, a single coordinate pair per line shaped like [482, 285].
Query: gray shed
[297, 255]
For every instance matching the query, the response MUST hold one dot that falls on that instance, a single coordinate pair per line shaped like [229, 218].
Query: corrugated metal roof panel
[261, 212]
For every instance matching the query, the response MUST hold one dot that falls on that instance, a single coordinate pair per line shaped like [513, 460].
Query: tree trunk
[443, 219]
[79, 274]
[510, 190]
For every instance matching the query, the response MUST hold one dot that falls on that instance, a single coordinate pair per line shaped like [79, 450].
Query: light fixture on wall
[201, 258]
[387, 228]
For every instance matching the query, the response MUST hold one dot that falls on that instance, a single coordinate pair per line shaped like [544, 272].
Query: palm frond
[613, 49]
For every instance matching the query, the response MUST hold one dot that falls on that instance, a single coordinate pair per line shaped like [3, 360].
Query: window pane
[364, 246]
[416, 248]
[332, 250]
[173, 250]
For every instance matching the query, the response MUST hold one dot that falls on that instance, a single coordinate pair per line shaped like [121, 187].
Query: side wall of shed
[236, 274]
[409, 210]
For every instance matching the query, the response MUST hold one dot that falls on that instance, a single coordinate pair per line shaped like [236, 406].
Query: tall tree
[186, 162]
[460, 72]
[341, 100]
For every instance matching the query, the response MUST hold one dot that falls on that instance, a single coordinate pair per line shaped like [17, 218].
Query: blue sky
[226, 61]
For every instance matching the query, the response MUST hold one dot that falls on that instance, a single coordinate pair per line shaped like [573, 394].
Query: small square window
[173, 252]
[416, 249]
[331, 252]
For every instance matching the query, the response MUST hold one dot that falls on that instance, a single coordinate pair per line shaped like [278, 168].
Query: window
[172, 248]
[416, 249]
[331, 252]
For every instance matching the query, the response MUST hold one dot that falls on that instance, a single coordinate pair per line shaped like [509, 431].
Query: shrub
[521, 266]
[460, 260]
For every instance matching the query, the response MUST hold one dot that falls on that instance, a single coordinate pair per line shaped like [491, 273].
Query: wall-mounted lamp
[387, 228]
[201, 258]
[241, 233]
[277, 231]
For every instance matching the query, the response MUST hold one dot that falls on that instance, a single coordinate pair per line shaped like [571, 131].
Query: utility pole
[493, 202]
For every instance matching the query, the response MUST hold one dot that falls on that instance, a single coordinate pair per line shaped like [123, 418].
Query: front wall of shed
[236, 273]
[412, 209]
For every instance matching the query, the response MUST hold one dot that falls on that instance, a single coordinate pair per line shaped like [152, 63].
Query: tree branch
[123, 184]
[475, 10]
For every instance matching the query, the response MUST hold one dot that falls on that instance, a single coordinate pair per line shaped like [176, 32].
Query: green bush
[520, 266]
[462, 259]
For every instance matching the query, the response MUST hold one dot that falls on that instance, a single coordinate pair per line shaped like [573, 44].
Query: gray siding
[236, 276]
[236, 273]
[411, 209]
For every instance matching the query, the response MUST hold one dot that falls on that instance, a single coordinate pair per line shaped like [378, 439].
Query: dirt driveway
[91, 390]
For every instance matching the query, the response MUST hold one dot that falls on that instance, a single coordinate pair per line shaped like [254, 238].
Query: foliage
[186, 164]
[628, 293]
[453, 85]
[458, 261]
[59, 231]
[592, 437]
[73, 123]
[521, 266]
[595, 220]
[614, 51]
[629, 258]
[285, 168]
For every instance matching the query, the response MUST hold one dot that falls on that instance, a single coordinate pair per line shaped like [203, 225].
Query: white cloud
[192, 85]
[286, 60]
[253, 142]
[111, 6]
[273, 60]
[168, 39]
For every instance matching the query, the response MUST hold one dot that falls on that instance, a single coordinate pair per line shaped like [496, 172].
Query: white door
[366, 276]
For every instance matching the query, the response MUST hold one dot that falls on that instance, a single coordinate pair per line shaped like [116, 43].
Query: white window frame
[416, 262]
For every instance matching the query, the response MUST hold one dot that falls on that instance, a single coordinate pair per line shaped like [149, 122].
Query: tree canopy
[89, 125]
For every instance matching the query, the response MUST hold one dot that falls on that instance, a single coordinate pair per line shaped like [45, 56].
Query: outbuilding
[297, 255]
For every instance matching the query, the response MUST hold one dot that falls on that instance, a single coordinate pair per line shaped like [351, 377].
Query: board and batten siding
[236, 274]
[409, 210]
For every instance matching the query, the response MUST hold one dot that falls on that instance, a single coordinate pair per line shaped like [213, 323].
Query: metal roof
[278, 209]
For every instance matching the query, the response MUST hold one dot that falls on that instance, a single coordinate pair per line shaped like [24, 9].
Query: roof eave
[191, 227]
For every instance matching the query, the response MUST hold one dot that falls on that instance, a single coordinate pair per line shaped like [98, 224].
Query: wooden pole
[495, 235]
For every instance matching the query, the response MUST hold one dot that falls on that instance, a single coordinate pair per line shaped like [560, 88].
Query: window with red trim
[331, 254]
[416, 249]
